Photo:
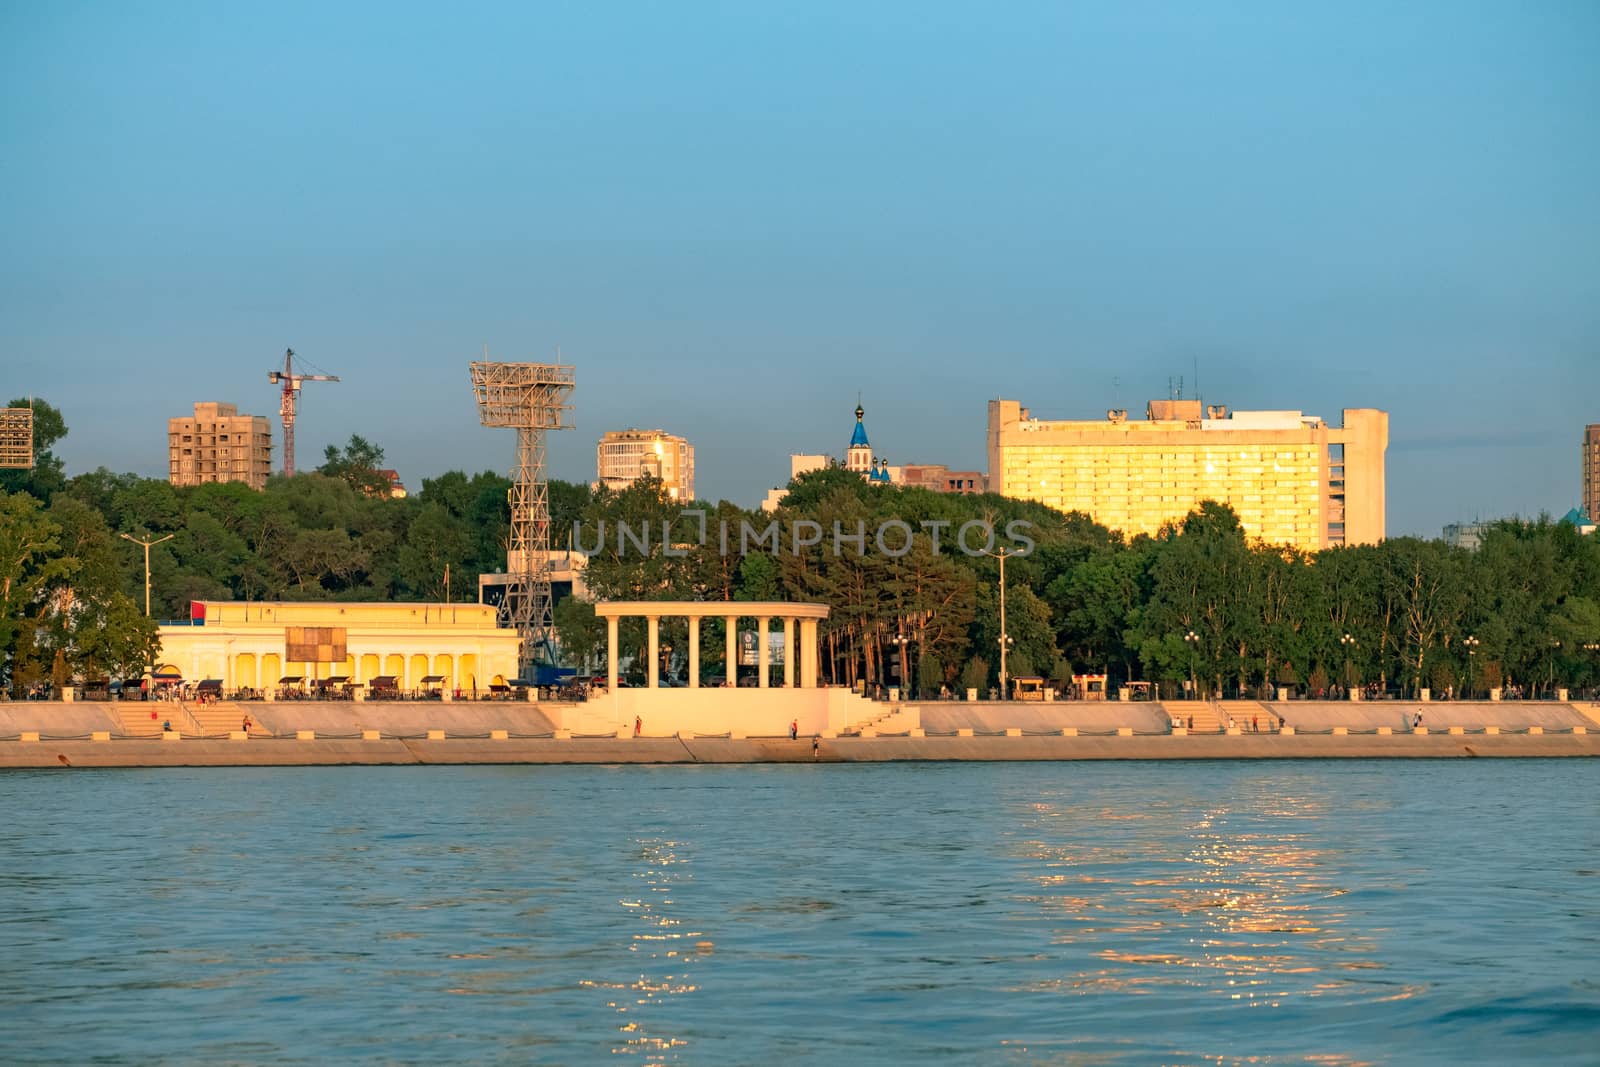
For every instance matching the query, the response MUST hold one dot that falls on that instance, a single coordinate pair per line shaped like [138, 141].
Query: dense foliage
[1084, 599]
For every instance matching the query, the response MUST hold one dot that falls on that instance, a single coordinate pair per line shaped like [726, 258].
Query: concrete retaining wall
[288, 752]
[405, 718]
[987, 717]
[1512, 716]
[57, 719]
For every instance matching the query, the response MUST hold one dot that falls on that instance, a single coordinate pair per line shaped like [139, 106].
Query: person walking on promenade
[816, 746]
[794, 729]
[246, 726]
[1255, 724]
[1417, 722]
[638, 724]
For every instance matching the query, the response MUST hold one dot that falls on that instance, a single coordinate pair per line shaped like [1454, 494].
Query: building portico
[721, 708]
[764, 612]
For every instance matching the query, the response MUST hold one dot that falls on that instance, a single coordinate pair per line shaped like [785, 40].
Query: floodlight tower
[530, 398]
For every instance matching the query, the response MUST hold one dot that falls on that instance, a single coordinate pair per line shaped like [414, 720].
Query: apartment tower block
[219, 445]
[1292, 478]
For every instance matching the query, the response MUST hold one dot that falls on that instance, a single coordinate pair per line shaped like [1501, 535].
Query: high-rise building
[1292, 478]
[1591, 471]
[623, 456]
[219, 445]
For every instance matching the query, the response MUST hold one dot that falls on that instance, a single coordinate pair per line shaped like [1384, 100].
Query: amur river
[1325, 913]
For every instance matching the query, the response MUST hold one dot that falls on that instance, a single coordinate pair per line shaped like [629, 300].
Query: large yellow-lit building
[255, 644]
[219, 445]
[1292, 478]
[623, 456]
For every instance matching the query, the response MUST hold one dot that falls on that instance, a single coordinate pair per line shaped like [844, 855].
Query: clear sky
[733, 218]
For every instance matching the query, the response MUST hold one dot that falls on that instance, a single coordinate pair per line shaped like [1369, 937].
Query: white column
[611, 654]
[808, 648]
[655, 649]
[733, 649]
[694, 652]
[763, 654]
[788, 653]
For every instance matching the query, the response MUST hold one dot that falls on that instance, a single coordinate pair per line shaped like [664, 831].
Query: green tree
[437, 540]
[31, 560]
[358, 464]
[581, 633]
[48, 475]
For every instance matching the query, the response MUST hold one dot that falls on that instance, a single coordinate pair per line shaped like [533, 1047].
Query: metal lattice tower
[530, 398]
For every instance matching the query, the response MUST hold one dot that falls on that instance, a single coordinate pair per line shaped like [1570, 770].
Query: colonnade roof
[709, 609]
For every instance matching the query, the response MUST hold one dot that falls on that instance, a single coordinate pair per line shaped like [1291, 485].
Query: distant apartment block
[16, 438]
[1591, 472]
[1467, 535]
[941, 479]
[1292, 478]
[623, 456]
[219, 445]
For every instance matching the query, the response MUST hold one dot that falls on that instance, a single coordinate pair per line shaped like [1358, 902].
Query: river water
[1336, 912]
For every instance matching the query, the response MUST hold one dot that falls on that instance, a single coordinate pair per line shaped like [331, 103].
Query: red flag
[197, 610]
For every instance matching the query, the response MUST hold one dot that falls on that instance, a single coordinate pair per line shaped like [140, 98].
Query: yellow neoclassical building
[1292, 478]
[255, 644]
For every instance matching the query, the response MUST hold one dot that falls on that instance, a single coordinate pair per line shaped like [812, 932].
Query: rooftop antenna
[1116, 391]
[1197, 395]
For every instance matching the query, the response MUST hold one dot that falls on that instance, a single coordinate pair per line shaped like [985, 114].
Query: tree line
[1198, 600]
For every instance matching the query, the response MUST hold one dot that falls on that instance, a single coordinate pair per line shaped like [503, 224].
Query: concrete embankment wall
[57, 719]
[529, 732]
[286, 752]
[402, 718]
[1508, 715]
[1304, 715]
[333, 718]
[990, 717]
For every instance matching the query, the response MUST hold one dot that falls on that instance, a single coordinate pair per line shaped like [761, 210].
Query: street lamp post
[1005, 638]
[1192, 639]
[146, 544]
[1349, 644]
[900, 641]
[1472, 644]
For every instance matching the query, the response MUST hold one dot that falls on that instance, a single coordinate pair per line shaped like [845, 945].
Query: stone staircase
[1206, 716]
[1242, 711]
[217, 719]
[896, 720]
[871, 714]
[137, 721]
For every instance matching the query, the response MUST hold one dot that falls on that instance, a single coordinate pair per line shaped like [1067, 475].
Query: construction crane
[291, 395]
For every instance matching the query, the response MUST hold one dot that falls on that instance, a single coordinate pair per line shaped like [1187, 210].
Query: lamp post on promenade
[900, 641]
[1192, 639]
[1005, 638]
[1349, 644]
[1472, 644]
[1550, 683]
[146, 544]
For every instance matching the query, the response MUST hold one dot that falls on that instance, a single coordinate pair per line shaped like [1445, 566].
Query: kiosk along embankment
[188, 734]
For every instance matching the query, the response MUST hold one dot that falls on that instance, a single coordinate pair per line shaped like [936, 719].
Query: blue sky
[734, 218]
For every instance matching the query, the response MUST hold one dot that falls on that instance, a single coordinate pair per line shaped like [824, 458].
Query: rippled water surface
[1308, 912]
